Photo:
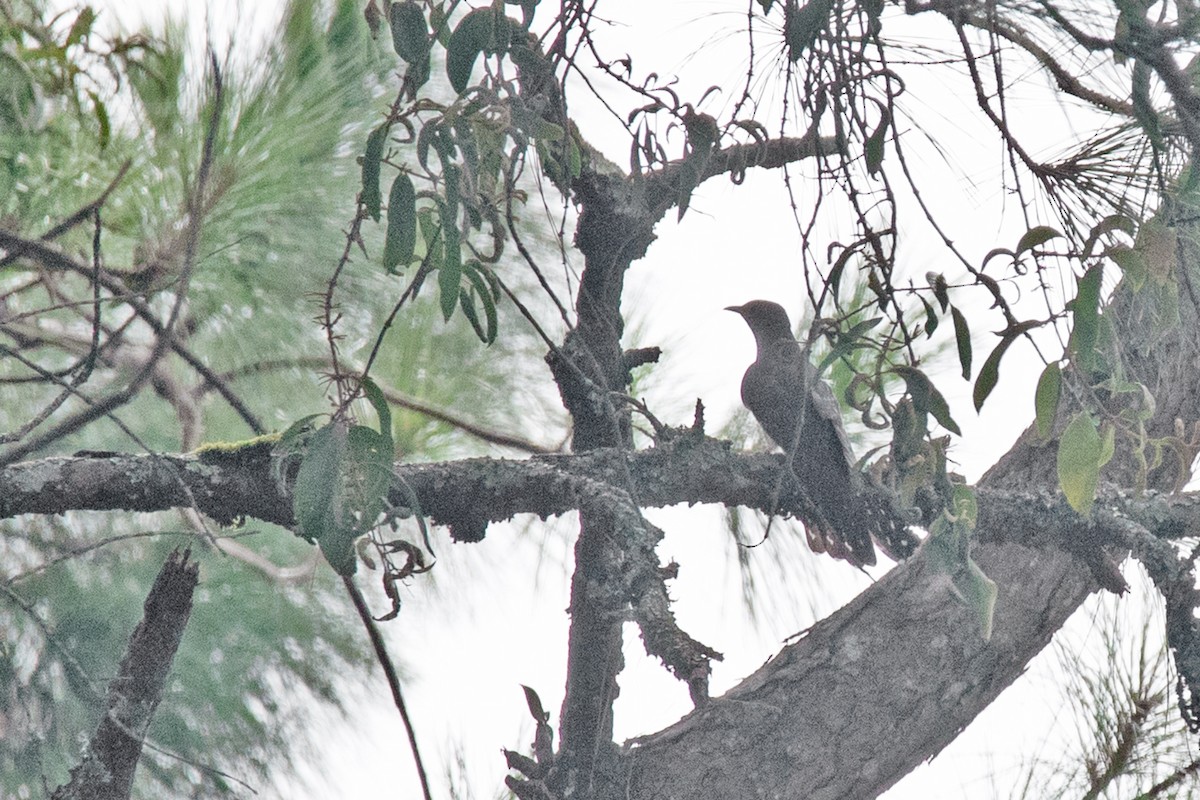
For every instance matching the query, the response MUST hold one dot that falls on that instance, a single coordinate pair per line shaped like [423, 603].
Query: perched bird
[798, 411]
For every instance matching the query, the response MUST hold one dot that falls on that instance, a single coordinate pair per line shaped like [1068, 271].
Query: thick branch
[860, 700]
[891, 679]
[107, 769]
[466, 495]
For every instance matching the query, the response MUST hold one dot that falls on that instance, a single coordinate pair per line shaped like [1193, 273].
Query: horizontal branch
[466, 494]
[861, 646]
[469, 494]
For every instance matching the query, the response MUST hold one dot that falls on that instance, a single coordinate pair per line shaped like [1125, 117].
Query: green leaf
[989, 374]
[315, 493]
[449, 284]
[1045, 398]
[1108, 443]
[1085, 313]
[297, 429]
[362, 485]
[410, 35]
[1114, 222]
[102, 121]
[835, 273]
[466, 299]
[368, 476]
[1158, 244]
[802, 26]
[480, 289]
[481, 31]
[342, 485]
[382, 409]
[372, 198]
[411, 41]
[848, 342]
[926, 397]
[862, 326]
[1036, 236]
[931, 318]
[81, 27]
[450, 272]
[941, 290]
[1143, 107]
[1132, 263]
[948, 550]
[979, 592]
[528, 8]
[1079, 457]
[876, 141]
[574, 158]
[401, 239]
[962, 336]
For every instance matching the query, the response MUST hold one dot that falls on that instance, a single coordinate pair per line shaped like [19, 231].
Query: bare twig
[389, 671]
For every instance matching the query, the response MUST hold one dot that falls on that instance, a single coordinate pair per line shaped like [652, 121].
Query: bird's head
[768, 321]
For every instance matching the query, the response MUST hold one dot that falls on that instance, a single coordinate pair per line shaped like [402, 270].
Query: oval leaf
[450, 271]
[481, 31]
[931, 319]
[382, 410]
[1045, 398]
[101, 112]
[1079, 455]
[401, 238]
[962, 335]
[1132, 263]
[876, 141]
[989, 374]
[941, 290]
[372, 198]
[535, 705]
[803, 24]
[410, 36]
[315, 493]
[1085, 313]
[1108, 442]
[481, 289]
[926, 397]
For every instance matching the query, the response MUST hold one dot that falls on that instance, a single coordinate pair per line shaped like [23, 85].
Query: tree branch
[468, 494]
[111, 757]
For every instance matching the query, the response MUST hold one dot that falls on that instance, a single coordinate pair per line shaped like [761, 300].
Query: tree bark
[890, 679]
[111, 758]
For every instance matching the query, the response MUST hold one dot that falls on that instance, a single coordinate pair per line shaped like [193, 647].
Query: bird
[798, 411]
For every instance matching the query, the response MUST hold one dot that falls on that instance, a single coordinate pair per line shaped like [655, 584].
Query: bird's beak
[734, 309]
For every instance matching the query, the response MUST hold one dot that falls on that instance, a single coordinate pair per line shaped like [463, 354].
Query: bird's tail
[851, 529]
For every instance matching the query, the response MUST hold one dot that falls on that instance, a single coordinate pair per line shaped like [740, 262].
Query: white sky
[469, 654]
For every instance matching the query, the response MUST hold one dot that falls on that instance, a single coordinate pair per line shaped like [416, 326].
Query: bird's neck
[769, 341]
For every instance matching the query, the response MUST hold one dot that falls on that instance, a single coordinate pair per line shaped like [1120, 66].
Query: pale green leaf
[1079, 453]
[1045, 398]
[1085, 314]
